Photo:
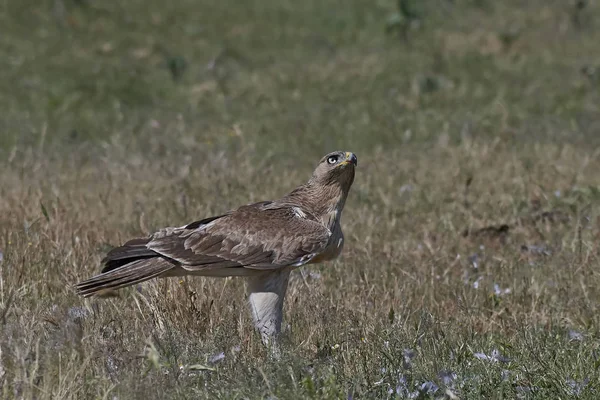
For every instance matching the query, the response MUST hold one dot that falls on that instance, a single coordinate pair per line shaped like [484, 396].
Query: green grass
[119, 119]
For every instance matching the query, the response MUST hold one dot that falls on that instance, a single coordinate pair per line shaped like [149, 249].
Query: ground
[471, 263]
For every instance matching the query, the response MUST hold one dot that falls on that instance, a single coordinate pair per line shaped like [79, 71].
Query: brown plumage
[262, 241]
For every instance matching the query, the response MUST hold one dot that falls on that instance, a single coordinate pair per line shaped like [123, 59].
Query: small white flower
[575, 336]
[494, 357]
[216, 358]
[499, 292]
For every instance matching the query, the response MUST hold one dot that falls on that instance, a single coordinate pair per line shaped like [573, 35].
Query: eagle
[262, 242]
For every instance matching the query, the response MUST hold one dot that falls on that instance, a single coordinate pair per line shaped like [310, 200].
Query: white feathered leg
[266, 295]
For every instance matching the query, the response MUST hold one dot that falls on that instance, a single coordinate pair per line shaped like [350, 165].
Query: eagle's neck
[323, 202]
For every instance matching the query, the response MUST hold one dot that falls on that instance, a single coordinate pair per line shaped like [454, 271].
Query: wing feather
[258, 236]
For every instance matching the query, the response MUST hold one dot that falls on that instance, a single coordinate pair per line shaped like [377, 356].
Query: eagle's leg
[266, 294]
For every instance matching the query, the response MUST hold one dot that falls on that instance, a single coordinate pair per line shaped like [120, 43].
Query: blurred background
[290, 76]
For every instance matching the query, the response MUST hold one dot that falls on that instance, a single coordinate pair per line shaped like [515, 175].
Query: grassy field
[471, 264]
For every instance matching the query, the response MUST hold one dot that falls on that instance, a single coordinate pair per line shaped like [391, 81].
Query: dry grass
[406, 280]
[471, 261]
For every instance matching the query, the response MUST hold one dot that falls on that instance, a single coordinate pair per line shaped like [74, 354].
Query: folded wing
[259, 236]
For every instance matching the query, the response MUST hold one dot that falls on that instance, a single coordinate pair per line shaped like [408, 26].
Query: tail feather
[132, 250]
[134, 272]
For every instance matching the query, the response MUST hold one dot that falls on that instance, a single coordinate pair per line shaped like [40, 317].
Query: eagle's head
[336, 168]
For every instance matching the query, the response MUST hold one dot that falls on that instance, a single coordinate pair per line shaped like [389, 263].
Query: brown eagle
[262, 241]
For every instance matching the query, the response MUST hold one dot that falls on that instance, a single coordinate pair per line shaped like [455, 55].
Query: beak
[351, 159]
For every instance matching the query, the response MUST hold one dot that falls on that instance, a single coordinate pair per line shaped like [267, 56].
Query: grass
[471, 264]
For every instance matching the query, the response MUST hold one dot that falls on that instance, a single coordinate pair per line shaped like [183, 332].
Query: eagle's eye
[332, 159]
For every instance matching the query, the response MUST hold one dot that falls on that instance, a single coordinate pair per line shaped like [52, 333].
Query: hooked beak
[350, 159]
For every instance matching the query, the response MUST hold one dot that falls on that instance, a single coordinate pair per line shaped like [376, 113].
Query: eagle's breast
[336, 241]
